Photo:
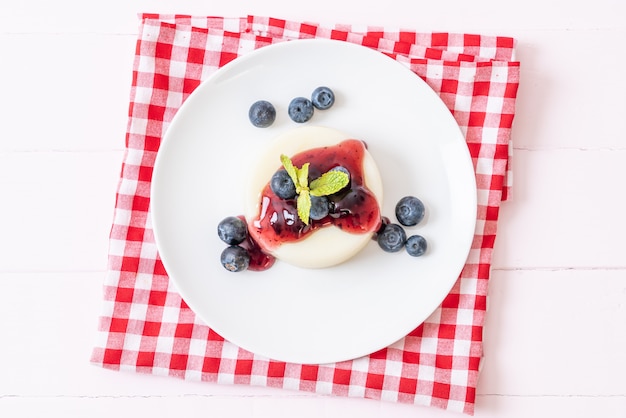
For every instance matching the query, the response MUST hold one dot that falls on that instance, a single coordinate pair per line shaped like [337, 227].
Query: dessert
[321, 205]
[327, 238]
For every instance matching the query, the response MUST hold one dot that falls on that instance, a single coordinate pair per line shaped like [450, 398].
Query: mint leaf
[329, 183]
[304, 206]
[303, 177]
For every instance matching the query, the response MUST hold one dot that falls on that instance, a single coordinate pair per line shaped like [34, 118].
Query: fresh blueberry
[319, 207]
[392, 238]
[232, 230]
[322, 98]
[235, 258]
[262, 114]
[282, 185]
[416, 245]
[300, 109]
[410, 211]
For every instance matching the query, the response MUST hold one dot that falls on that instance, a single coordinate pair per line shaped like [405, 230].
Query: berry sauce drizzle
[259, 260]
[353, 209]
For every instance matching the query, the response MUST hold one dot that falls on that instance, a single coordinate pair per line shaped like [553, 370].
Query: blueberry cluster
[321, 206]
[392, 237]
[234, 231]
[263, 113]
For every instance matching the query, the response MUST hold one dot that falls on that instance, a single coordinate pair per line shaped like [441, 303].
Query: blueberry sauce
[259, 260]
[353, 209]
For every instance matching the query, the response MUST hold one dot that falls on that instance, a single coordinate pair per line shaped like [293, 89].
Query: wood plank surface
[555, 335]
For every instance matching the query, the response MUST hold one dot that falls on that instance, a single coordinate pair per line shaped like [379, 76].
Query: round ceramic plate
[313, 315]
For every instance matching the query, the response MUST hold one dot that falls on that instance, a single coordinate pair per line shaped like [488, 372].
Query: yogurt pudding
[273, 223]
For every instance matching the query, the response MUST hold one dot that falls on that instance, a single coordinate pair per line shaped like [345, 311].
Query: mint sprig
[327, 184]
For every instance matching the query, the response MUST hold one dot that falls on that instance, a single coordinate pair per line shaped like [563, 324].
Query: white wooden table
[555, 342]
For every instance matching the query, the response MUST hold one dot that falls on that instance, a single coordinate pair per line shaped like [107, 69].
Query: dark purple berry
[392, 238]
[282, 185]
[235, 258]
[322, 98]
[409, 211]
[232, 230]
[300, 109]
[319, 207]
[416, 245]
[262, 114]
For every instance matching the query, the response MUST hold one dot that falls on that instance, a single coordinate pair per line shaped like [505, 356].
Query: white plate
[300, 315]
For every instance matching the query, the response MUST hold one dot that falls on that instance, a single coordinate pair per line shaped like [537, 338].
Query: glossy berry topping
[354, 209]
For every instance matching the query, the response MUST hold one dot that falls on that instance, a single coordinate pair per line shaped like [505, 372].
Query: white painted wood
[555, 332]
[300, 406]
[568, 89]
[66, 91]
[554, 65]
[566, 210]
[556, 325]
[485, 16]
[57, 209]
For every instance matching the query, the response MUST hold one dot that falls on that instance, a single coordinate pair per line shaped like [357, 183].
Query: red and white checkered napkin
[145, 325]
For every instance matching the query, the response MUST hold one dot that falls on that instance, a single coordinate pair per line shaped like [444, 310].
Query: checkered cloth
[145, 326]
